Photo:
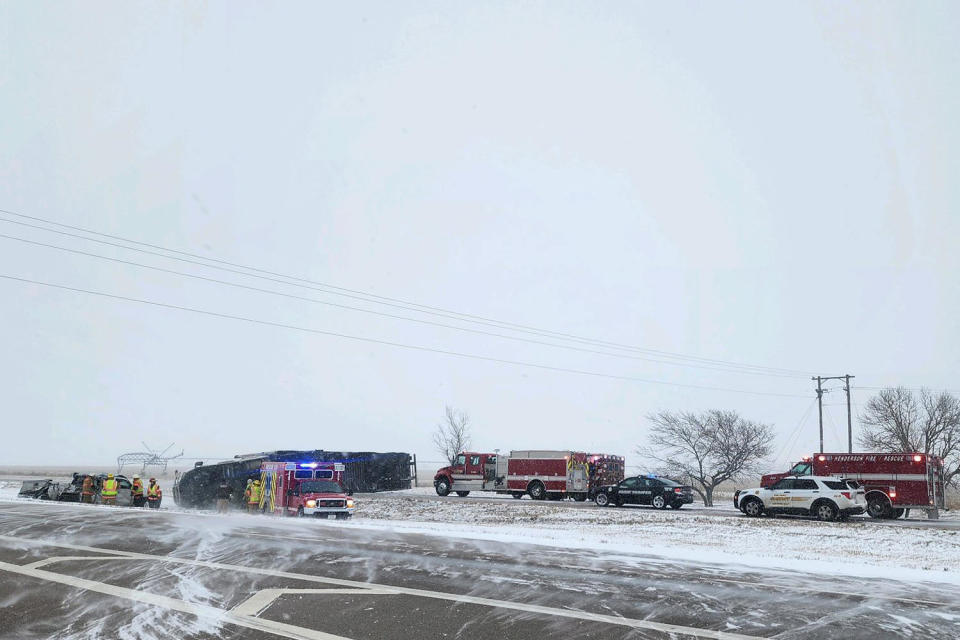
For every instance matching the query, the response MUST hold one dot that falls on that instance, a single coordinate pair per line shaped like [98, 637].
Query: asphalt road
[77, 571]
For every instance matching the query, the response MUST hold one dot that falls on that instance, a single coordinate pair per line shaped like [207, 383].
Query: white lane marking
[258, 602]
[710, 634]
[192, 608]
[46, 561]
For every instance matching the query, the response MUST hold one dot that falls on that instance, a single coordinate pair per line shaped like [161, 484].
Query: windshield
[800, 469]
[320, 486]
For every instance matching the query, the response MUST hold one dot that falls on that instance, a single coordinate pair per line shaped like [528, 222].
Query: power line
[380, 313]
[281, 325]
[377, 299]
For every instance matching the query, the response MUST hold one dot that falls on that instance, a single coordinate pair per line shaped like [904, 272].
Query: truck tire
[300, 512]
[825, 511]
[896, 513]
[580, 497]
[602, 500]
[443, 487]
[878, 506]
[752, 507]
[537, 490]
[658, 502]
[463, 494]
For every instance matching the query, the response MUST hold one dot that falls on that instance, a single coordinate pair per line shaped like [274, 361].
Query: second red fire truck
[894, 482]
[541, 474]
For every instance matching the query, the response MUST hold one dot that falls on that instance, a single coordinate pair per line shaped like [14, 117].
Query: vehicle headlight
[349, 503]
[311, 503]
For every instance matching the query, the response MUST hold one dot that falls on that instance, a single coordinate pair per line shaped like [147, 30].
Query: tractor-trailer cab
[894, 482]
[305, 489]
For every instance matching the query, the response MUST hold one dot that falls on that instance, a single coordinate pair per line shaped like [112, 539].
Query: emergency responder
[223, 498]
[246, 491]
[154, 494]
[108, 491]
[86, 492]
[136, 491]
[253, 500]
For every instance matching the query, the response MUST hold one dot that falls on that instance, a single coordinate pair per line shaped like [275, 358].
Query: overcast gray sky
[763, 183]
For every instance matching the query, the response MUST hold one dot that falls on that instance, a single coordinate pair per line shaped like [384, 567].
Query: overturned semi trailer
[364, 472]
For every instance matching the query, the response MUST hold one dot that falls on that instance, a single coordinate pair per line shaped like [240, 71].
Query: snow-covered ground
[858, 548]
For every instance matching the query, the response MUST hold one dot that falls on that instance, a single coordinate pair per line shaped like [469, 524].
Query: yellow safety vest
[254, 494]
[137, 488]
[153, 492]
[109, 489]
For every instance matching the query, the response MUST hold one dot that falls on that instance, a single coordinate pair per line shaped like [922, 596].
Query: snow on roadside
[852, 548]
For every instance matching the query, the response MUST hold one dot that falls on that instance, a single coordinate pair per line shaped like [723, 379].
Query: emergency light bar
[309, 465]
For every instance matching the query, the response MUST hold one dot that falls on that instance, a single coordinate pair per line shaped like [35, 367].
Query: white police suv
[825, 498]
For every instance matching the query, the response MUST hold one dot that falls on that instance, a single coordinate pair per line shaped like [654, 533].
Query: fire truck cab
[470, 471]
[305, 489]
[894, 482]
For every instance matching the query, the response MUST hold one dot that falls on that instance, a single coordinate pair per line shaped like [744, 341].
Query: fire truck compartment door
[577, 480]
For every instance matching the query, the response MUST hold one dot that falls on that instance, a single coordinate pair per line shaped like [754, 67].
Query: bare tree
[453, 434]
[897, 420]
[707, 449]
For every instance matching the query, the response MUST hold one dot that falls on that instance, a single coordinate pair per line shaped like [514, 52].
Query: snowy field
[858, 548]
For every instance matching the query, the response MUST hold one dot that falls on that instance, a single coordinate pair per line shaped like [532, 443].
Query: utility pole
[820, 408]
[849, 419]
[846, 378]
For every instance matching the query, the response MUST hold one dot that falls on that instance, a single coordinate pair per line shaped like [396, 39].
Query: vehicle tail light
[678, 490]
[845, 494]
[822, 458]
[893, 494]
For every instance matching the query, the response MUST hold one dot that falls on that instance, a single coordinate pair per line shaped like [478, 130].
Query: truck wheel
[300, 512]
[443, 487]
[537, 491]
[658, 502]
[753, 508]
[826, 511]
[602, 500]
[896, 513]
[463, 494]
[879, 507]
[580, 497]
[517, 495]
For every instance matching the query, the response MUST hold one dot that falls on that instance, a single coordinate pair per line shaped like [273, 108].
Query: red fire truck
[552, 475]
[304, 489]
[894, 482]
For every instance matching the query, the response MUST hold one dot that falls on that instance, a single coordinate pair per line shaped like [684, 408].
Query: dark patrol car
[653, 490]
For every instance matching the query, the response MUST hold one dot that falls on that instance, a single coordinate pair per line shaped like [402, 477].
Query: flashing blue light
[309, 465]
[652, 475]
